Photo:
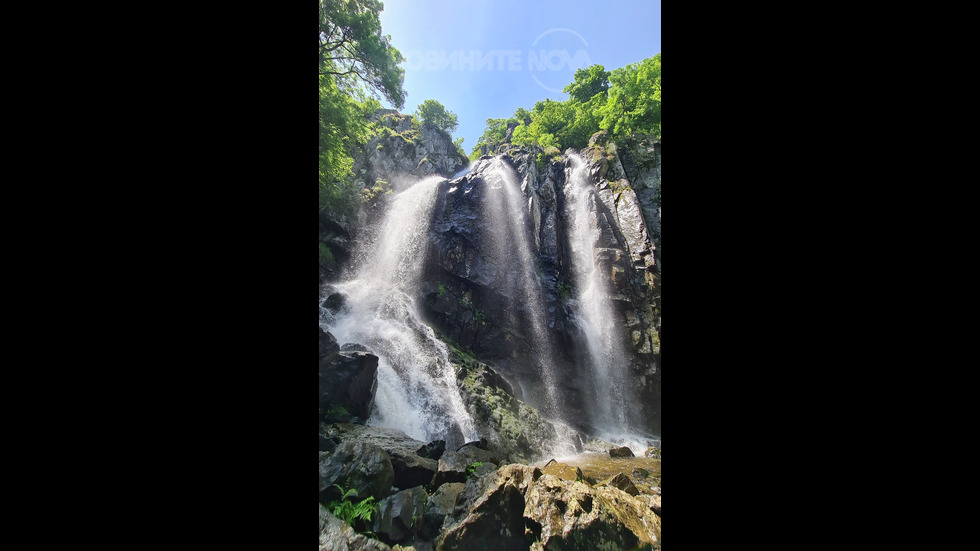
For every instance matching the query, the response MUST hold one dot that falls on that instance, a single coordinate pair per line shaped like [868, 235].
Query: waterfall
[417, 390]
[504, 209]
[607, 358]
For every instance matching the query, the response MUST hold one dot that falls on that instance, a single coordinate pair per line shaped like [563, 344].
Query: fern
[350, 512]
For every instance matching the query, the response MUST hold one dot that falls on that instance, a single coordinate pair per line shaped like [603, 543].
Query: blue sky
[484, 59]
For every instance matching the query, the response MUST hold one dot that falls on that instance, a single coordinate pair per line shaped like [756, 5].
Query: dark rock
[622, 482]
[412, 470]
[336, 303]
[479, 487]
[400, 514]
[390, 440]
[475, 454]
[439, 505]
[621, 452]
[495, 524]
[432, 450]
[451, 468]
[328, 344]
[348, 380]
[359, 465]
[353, 347]
[326, 444]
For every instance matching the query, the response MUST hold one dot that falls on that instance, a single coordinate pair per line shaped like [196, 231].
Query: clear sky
[485, 58]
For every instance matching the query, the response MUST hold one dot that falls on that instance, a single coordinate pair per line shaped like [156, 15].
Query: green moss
[326, 255]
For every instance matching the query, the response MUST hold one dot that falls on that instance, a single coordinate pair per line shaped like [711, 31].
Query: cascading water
[511, 247]
[607, 356]
[417, 390]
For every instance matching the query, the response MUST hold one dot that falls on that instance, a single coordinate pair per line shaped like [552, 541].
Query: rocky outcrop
[400, 515]
[520, 507]
[403, 151]
[510, 426]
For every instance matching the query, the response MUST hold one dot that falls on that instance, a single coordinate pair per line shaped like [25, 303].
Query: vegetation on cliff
[624, 102]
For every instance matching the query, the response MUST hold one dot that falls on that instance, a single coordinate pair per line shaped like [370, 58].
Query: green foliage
[493, 136]
[433, 113]
[342, 128]
[472, 468]
[625, 102]
[351, 512]
[337, 412]
[326, 255]
[352, 49]
[479, 317]
[634, 100]
[458, 142]
[588, 82]
[381, 188]
[442, 290]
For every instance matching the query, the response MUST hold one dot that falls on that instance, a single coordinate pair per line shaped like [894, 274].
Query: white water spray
[417, 390]
[593, 306]
[512, 248]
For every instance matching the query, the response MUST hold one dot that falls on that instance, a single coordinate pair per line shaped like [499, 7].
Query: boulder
[439, 505]
[337, 535]
[451, 468]
[390, 440]
[571, 515]
[412, 470]
[400, 514]
[622, 482]
[348, 380]
[432, 450]
[496, 523]
[359, 465]
[621, 452]
[563, 471]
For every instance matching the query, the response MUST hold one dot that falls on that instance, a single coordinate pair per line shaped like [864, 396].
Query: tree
[588, 82]
[634, 99]
[353, 50]
[433, 113]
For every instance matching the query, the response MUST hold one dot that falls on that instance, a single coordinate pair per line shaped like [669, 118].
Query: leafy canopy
[433, 113]
[352, 49]
[625, 102]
